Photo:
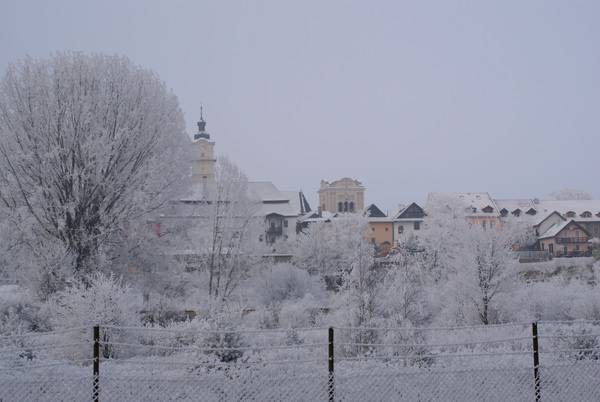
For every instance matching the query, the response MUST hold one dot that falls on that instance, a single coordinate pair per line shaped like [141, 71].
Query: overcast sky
[408, 97]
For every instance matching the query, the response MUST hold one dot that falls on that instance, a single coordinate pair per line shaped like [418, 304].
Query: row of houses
[562, 228]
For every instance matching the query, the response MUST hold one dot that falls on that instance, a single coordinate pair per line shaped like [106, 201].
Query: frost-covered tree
[87, 144]
[571, 194]
[361, 280]
[327, 248]
[220, 228]
[485, 265]
[404, 295]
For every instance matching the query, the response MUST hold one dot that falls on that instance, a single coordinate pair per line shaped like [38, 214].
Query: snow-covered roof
[383, 219]
[475, 202]
[564, 206]
[524, 204]
[555, 229]
[271, 199]
[558, 227]
[403, 215]
[265, 191]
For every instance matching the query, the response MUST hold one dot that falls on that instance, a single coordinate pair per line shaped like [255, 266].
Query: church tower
[203, 154]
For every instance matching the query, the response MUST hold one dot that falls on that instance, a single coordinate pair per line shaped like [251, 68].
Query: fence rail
[545, 361]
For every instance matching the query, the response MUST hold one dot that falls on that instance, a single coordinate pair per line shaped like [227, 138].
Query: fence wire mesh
[372, 364]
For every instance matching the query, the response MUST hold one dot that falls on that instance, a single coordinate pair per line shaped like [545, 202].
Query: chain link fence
[492, 363]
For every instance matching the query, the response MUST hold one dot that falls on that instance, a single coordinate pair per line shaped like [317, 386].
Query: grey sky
[408, 97]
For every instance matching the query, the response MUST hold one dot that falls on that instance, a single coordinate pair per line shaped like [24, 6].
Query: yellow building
[381, 230]
[344, 195]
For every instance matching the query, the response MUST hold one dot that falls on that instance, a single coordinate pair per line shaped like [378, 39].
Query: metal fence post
[331, 382]
[536, 362]
[96, 378]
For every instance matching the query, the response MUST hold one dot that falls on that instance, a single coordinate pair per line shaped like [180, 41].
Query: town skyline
[407, 98]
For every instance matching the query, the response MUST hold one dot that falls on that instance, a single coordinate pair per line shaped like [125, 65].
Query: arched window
[351, 206]
[340, 206]
[345, 206]
[570, 214]
[586, 214]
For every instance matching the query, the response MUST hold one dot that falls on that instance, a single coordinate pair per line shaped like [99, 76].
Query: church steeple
[202, 127]
[203, 154]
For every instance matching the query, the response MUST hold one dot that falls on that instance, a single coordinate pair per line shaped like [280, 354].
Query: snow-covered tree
[485, 264]
[221, 231]
[327, 248]
[404, 295]
[571, 194]
[87, 144]
[362, 279]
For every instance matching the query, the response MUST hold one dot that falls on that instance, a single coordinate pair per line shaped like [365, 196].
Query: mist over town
[299, 201]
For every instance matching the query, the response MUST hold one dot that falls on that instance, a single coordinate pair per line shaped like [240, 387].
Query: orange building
[381, 230]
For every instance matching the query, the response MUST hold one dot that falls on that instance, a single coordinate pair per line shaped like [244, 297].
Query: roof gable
[558, 228]
[413, 211]
[553, 213]
[373, 211]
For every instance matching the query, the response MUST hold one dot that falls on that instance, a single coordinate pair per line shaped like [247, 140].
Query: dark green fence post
[96, 394]
[536, 362]
[331, 381]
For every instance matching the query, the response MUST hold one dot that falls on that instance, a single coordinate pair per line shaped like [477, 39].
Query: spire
[202, 127]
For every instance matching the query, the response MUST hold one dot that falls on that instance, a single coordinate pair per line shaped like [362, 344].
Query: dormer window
[503, 212]
[570, 214]
[488, 209]
[531, 211]
[598, 214]
[516, 212]
[586, 214]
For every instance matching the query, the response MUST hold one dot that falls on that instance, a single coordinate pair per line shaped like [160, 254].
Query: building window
[516, 212]
[373, 229]
[503, 212]
[346, 206]
[340, 206]
[586, 214]
[351, 206]
[386, 229]
[400, 229]
[285, 223]
[570, 214]
[484, 224]
[417, 225]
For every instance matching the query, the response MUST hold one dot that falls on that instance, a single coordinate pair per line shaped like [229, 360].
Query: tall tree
[220, 225]
[87, 144]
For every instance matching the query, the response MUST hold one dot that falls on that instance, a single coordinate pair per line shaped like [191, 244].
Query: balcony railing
[571, 240]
